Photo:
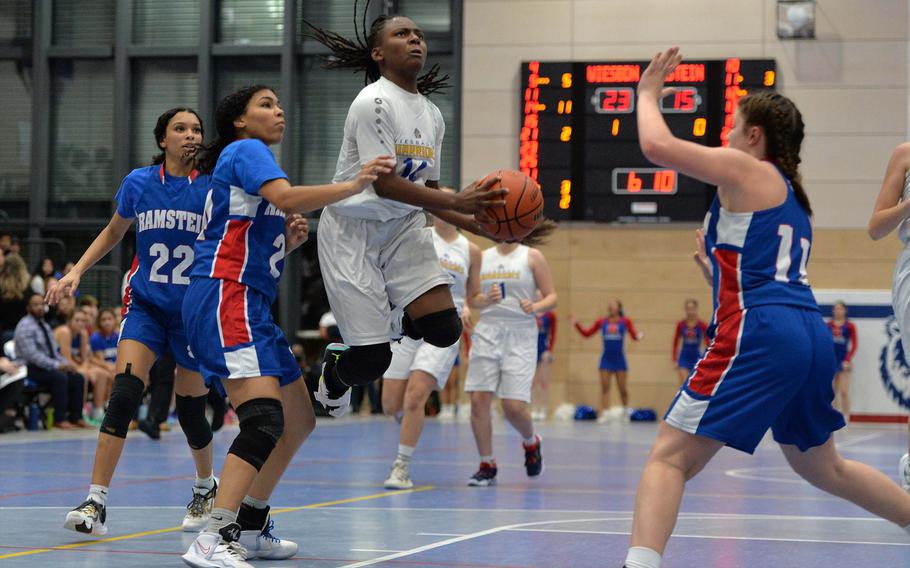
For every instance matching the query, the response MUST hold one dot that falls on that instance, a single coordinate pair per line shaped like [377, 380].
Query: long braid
[784, 132]
[356, 54]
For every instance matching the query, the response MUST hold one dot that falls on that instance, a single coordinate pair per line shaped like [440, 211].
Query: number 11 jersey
[759, 258]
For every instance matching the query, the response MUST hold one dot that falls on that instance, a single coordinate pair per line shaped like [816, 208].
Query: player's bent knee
[123, 404]
[441, 329]
[191, 414]
[261, 426]
[363, 364]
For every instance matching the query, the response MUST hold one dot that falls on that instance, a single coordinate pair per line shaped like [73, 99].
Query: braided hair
[357, 53]
[229, 108]
[783, 126]
[161, 128]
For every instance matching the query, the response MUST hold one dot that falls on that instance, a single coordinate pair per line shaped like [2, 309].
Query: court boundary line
[180, 528]
[626, 517]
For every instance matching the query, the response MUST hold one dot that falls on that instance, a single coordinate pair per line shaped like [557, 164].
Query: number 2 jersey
[243, 239]
[168, 211]
[759, 258]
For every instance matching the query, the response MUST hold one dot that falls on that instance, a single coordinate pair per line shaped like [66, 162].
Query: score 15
[683, 100]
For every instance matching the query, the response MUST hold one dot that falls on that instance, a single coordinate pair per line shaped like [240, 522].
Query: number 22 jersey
[168, 211]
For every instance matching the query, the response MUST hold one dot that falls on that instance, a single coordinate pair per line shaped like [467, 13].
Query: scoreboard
[579, 136]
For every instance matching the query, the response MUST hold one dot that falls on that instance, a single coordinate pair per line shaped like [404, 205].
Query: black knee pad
[261, 426]
[125, 399]
[362, 364]
[441, 329]
[191, 414]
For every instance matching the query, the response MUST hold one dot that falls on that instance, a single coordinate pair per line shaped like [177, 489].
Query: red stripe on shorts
[728, 287]
[232, 318]
[717, 361]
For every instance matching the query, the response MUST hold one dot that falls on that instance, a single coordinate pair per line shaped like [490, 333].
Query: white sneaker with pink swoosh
[212, 551]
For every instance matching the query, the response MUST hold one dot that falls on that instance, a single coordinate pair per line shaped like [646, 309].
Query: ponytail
[784, 131]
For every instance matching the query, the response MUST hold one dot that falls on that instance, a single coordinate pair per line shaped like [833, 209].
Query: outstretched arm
[723, 167]
[103, 243]
[889, 210]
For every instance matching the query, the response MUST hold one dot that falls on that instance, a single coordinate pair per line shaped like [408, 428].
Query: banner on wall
[880, 377]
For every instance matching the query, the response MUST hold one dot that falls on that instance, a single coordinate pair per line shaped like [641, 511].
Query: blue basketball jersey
[759, 258]
[243, 238]
[168, 212]
[107, 345]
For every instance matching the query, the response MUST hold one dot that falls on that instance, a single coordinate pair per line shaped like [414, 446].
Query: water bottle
[50, 419]
[32, 417]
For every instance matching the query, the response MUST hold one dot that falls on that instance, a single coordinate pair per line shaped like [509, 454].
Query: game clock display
[579, 136]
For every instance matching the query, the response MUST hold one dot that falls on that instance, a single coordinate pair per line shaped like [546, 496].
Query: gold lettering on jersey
[501, 275]
[415, 150]
[452, 266]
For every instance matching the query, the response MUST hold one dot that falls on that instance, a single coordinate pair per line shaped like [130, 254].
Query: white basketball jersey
[455, 258]
[903, 231]
[512, 273]
[385, 119]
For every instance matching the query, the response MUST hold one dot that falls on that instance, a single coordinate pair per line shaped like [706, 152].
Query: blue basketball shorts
[613, 361]
[232, 334]
[767, 367]
[158, 330]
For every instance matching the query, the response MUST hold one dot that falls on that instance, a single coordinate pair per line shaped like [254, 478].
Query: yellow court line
[175, 529]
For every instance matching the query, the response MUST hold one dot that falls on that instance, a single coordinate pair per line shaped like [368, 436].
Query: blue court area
[740, 511]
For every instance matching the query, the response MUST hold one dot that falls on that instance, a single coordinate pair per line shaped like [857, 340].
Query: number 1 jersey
[168, 211]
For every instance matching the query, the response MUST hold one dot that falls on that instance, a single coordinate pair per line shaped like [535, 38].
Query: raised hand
[478, 196]
[296, 230]
[372, 170]
[66, 286]
[652, 79]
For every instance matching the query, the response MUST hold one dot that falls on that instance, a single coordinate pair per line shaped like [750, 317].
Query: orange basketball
[523, 210]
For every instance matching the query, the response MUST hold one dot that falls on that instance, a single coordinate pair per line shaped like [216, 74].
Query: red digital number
[633, 183]
[616, 100]
[664, 181]
[684, 100]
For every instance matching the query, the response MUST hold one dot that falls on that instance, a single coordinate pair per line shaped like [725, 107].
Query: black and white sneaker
[341, 405]
[485, 476]
[199, 509]
[533, 458]
[87, 518]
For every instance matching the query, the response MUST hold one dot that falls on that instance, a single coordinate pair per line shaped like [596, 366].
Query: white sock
[255, 503]
[405, 453]
[205, 483]
[220, 519]
[530, 441]
[641, 557]
[488, 459]
[98, 494]
[97, 413]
